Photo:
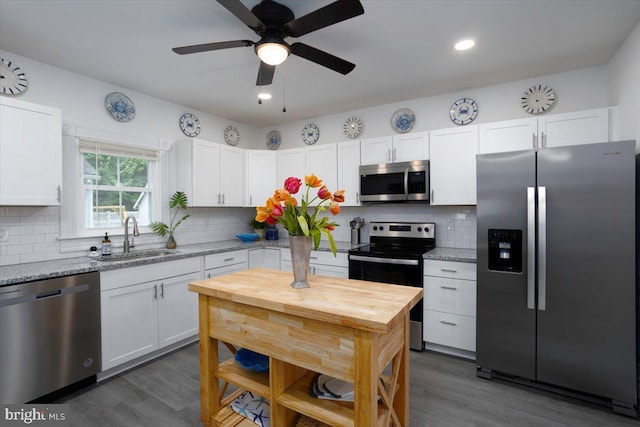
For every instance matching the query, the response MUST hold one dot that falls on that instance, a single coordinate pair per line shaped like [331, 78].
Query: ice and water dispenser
[505, 250]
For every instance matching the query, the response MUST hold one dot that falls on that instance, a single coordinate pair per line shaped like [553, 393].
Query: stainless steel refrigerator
[556, 301]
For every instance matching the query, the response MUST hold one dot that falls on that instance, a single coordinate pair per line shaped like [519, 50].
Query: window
[116, 182]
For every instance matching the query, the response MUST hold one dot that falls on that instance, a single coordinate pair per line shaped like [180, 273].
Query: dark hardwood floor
[444, 392]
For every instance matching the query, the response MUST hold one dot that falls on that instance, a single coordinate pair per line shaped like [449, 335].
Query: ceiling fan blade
[330, 14]
[265, 74]
[184, 50]
[242, 13]
[322, 58]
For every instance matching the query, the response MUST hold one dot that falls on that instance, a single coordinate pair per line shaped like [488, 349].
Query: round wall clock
[13, 81]
[190, 125]
[538, 99]
[232, 135]
[352, 127]
[120, 106]
[273, 140]
[310, 134]
[403, 120]
[463, 111]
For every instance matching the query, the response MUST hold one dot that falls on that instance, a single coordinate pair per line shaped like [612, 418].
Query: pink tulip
[292, 184]
[324, 193]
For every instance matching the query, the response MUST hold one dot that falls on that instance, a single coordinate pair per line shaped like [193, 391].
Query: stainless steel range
[395, 255]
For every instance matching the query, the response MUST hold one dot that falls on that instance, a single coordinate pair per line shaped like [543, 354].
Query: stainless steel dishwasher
[49, 335]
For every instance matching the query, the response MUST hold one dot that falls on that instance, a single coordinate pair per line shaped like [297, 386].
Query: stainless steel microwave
[395, 182]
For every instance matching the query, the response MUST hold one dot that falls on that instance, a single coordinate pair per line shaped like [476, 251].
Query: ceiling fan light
[272, 53]
[264, 95]
[465, 44]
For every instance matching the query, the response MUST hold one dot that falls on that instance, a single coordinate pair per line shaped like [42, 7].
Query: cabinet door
[290, 163]
[261, 176]
[206, 174]
[582, 127]
[453, 165]
[375, 150]
[232, 165]
[30, 154]
[322, 160]
[129, 323]
[177, 309]
[272, 259]
[410, 146]
[348, 172]
[510, 135]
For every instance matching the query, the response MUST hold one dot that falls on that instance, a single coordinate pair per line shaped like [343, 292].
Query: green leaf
[178, 200]
[316, 238]
[332, 243]
[160, 228]
[303, 225]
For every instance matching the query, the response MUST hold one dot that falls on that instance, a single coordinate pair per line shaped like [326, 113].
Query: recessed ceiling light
[465, 44]
[264, 95]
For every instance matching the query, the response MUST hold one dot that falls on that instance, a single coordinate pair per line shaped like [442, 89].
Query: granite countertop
[20, 273]
[452, 254]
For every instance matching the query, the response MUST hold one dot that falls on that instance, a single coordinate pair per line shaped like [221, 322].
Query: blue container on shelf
[272, 233]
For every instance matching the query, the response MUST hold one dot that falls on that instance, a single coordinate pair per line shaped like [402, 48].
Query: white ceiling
[402, 49]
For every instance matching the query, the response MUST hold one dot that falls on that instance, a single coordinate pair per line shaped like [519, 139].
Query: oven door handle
[384, 260]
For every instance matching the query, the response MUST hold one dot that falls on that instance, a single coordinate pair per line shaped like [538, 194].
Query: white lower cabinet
[264, 258]
[146, 308]
[321, 263]
[450, 307]
[225, 263]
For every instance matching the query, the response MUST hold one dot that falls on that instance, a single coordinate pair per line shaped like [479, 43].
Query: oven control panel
[424, 230]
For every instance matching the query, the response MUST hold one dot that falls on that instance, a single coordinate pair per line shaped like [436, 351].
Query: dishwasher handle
[42, 296]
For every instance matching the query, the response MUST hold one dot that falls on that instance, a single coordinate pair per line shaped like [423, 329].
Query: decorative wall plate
[273, 140]
[352, 127]
[463, 111]
[190, 125]
[538, 99]
[13, 81]
[403, 120]
[120, 106]
[232, 135]
[310, 134]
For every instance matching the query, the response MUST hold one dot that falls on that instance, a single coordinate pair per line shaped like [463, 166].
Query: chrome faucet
[128, 245]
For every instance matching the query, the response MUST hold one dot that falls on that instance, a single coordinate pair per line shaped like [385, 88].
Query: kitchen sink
[137, 255]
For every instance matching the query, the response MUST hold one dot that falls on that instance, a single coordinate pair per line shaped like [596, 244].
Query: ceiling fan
[274, 22]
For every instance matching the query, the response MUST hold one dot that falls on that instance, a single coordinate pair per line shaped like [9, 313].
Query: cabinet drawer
[452, 269]
[226, 258]
[320, 257]
[450, 295]
[450, 329]
[113, 279]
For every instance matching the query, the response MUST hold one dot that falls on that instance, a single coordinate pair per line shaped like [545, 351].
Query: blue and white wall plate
[273, 140]
[463, 111]
[120, 106]
[310, 134]
[403, 120]
[190, 125]
[232, 135]
[13, 81]
[352, 127]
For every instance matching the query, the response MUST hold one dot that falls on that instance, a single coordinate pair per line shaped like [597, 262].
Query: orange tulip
[281, 195]
[324, 193]
[334, 208]
[312, 181]
[262, 214]
[291, 202]
[338, 196]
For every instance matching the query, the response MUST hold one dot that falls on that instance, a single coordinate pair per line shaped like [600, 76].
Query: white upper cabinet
[510, 135]
[210, 174]
[396, 148]
[322, 160]
[581, 127]
[261, 176]
[290, 163]
[30, 154]
[453, 165]
[348, 172]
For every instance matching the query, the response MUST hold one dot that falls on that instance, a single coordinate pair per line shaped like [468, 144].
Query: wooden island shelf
[348, 329]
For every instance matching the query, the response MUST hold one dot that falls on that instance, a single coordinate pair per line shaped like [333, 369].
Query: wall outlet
[4, 234]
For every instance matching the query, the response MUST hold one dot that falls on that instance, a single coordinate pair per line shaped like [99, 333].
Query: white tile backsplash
[34, 232]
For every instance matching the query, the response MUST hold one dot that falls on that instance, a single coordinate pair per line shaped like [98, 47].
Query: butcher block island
[348, 329]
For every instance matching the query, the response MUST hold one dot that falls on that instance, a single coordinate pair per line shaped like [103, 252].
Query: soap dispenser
[106, 245]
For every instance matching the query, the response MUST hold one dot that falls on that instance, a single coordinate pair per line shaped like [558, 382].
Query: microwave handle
[406, 183]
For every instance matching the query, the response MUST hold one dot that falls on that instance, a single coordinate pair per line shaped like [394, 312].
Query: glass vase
[171, 243]
[300, 247]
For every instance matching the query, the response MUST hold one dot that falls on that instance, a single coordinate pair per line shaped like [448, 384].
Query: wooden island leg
[209, 388]
[365, 388]
[401, 401]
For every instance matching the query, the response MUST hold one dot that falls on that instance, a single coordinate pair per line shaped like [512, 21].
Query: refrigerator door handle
[531, 248]
[542, 246]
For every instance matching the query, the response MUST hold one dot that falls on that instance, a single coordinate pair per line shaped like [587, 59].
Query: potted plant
[178, 201]
[258, 227]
